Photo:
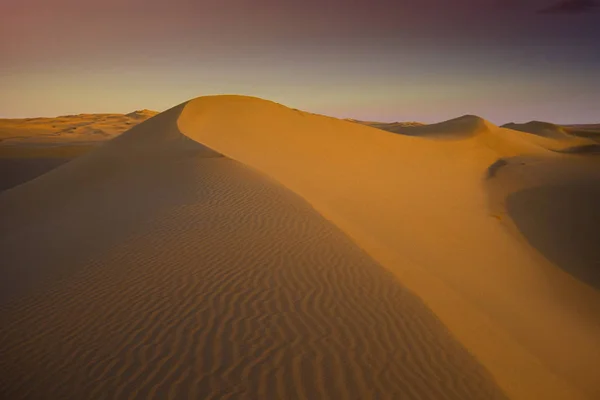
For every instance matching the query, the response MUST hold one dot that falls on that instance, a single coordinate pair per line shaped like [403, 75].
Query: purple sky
[422, 60]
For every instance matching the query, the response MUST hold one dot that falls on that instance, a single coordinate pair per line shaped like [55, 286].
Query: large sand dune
[157, 268]
[159, 262]
[426, 208]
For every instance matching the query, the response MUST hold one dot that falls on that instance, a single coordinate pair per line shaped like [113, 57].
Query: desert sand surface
[232, 247]
[154, 267]
[33, 146]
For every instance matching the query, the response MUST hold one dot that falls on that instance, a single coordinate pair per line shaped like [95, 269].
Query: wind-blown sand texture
[33, 146]
[155, 267]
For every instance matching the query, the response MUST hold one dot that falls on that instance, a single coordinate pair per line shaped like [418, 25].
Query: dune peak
[228, 198]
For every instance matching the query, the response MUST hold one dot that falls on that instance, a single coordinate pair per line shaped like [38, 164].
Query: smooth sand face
[33, 146]
[163, 223]
[156, 268]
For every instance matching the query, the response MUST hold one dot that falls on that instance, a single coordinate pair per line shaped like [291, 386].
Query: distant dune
[575, 138]
[586, 127]
[142, 114]
[455, 128]
[158, 268]
[386, 126]
[33, 146]
[231, 247]
[562, 132]
[74, 129]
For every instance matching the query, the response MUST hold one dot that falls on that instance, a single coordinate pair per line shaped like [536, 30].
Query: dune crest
[155, 267]
[544, 129]
[422, 209]
[467, 125]
[455, 128]
[434, 208]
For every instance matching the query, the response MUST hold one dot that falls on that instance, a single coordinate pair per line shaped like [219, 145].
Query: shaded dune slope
[14, 171]
[553, 204]
[424, 209]
[155, 267]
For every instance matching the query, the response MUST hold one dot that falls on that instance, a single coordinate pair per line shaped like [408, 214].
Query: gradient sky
[388, 60]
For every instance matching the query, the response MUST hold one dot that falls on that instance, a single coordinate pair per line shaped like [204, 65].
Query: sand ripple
[202, 279]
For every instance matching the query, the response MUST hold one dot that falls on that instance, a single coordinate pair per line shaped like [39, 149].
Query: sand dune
[173, 247]
[155, 267]
[566, 133]
[33, 146]
[455, 128]
[81, 128]
[422, 208]
[550, 136]
[544, 129]
[387, 126]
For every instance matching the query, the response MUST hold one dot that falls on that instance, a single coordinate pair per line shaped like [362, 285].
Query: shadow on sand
[563, 223]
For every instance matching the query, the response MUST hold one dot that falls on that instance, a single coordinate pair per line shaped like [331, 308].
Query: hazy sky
[423, 60]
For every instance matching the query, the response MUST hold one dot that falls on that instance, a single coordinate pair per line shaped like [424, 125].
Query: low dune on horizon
[547, 129]
[232, 247]
[30, 147]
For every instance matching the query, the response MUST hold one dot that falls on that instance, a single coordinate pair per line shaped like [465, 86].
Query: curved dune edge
[493, 292]
[484, 281]
[457, 128]
[183, 274]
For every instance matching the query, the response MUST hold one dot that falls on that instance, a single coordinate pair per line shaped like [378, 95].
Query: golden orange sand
[33, 146]
[183, 259]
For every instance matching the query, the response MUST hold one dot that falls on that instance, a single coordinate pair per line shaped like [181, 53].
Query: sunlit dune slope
[427, 208]
[462, 213]
[155, 267]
